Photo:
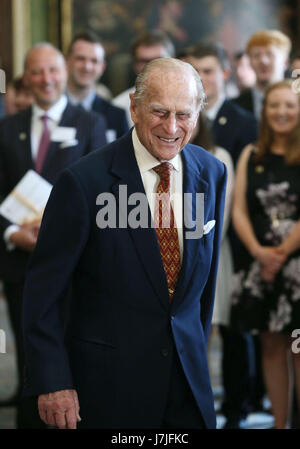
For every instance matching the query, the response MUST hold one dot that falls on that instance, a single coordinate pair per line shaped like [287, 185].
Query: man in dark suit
[232, 128]
[86, 64]
[268, 51]
[69, 133]
[134, 352]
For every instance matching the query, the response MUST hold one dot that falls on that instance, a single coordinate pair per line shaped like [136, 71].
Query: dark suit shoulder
[80, 114]
[238, 114]
[19, 117]
[104, 106]
[245, 100]
[232, 108]
[101, 158]
[11, 126]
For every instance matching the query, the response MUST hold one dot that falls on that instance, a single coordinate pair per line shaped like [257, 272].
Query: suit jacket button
[164, 352]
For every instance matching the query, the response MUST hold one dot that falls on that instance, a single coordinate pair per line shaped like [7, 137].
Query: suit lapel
[66, 120]
[24, 141]
[192, 183]
[98, 104]
[144, 239]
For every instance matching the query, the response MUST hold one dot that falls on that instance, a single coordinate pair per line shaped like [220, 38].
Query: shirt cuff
[6, 236]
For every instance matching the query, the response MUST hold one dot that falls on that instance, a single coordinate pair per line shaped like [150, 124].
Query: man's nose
[88, 66]
[170, 124]
[265, 59]
[46, 76]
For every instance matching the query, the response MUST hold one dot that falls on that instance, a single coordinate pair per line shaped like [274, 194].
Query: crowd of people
[249, 121]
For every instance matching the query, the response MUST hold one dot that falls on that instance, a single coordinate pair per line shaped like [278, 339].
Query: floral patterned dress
[273, 198]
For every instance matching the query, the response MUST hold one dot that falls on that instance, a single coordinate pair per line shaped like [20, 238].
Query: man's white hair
[165, 65]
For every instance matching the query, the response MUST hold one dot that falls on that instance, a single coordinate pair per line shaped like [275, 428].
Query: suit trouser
[181, 410]
[238, 372]
[27, 411]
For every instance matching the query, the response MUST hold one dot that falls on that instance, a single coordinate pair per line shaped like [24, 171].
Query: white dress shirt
[212, 112]
[123, 101]
[258, 98]
[86, 103]
[146, 162]
[54, 113]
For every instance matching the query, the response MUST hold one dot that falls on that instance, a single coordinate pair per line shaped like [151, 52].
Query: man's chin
[167, 154]
[47, 103]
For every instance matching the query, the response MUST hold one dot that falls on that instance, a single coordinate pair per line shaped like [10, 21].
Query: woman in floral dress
[266, 216]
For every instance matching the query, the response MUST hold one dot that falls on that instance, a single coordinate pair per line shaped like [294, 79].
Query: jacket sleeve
[62, 237]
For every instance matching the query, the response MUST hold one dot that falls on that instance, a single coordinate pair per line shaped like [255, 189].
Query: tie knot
[44, 118]
[164, 171]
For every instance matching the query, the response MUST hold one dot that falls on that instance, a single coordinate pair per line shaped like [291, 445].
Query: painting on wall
[118, 22]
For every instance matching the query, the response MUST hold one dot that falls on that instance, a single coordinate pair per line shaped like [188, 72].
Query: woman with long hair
[266, 217]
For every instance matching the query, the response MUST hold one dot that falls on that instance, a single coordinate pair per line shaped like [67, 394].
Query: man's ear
[25, 79]
[101, 69]
[67, 64]
[133, 107]
[286, 63]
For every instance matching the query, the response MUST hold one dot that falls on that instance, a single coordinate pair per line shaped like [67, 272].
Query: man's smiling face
[165, 118]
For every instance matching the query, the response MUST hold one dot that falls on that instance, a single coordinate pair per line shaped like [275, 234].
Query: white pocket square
[208, 226]
[68, 143]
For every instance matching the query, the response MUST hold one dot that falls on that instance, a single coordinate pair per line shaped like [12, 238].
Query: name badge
[63, 134]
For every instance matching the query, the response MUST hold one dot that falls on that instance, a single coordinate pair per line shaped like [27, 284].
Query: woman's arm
[266, 255]
[292, 241]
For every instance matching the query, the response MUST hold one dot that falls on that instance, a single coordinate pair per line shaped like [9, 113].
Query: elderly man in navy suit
[46, 137]
[142, 267]
[86, 64]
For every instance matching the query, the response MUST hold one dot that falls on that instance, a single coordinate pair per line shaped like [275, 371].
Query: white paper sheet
[28, 199]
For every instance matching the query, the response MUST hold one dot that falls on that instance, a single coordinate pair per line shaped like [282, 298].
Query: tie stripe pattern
[165, 226]
[43, 145]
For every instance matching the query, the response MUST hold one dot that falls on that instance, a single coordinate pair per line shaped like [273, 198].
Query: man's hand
[26, 237]
[60, 409]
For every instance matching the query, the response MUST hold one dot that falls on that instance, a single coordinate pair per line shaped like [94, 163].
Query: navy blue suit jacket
[234, 128]
[115, 116]
[16, 160]
[122, 331]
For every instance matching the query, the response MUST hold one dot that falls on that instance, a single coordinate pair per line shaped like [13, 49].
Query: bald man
[71, 133]
[143, 273]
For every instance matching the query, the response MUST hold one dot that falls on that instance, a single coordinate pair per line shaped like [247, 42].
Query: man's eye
[183, 116]
[159, 113]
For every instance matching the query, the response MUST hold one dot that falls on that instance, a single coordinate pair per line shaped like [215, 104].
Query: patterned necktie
[165, 227]
[43, 146]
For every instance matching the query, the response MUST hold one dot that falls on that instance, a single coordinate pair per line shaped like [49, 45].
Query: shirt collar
[86, 102]
[145, 160]
[212, 112]
[55, 112]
